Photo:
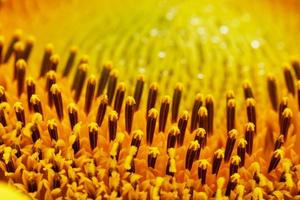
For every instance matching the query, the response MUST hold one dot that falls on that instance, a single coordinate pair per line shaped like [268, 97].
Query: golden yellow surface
[8, 192]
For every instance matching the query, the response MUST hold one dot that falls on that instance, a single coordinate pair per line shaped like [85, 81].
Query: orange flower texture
[150, 99]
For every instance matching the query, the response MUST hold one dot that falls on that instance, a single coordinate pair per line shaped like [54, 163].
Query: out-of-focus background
[207, 45]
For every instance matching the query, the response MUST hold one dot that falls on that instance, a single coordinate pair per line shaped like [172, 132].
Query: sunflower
[150, 100]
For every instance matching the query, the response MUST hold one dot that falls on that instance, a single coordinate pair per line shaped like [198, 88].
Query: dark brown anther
[76, 142]
[89, 94]
[231, 138]
[277, 155]
[272, 90]
[182, 124]
[76, 145]
[54, 61]
[52, 129]
[132, 168]
[111, 87]
[296, 66]
[18, 51]
[46, 59]
[30, 87]
[129, 113]
[251, 111]
[112, 125]
[10, 166]
[19, 110]
[234, 164]
[209, 104]
[18, 150]
[152, 96]
[289, 80]
[1, 48]
[38, 150]
[217, 160]
[232, 183]
[137, 138]
[56, 181]
[18, 129]
[173, 133]
[3, 97]
[32, 186]
[103, 78]
[28, 47]
[101, 109]
[84, 60]
[35, 132]
[283, 105]
[70, 61]
[138, 91]
[163, 113]
[73, 114]
[279, 142]
[241, 151]
[93, 135]
[3, 118]
[176, 102]
[285, 122]
[298, 94]
[119, 98]
[197, 104]
[55, 166]
[40, 154]
[3, 112]
[200, 136]
[230, 115]
[20, 75]
[50, 80]
[191, 154]
[16, 38]
[203, 118]
[202, 170]
[36, 104]
[151, 123]
[248, 93]
[282, 177]
[57, 100]
[82, 72]
[152, 156]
